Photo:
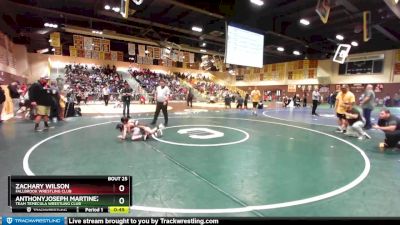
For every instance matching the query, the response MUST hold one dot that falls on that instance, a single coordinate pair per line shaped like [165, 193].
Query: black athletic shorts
[340, 116]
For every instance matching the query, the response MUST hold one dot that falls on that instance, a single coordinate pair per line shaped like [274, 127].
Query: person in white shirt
[316, 98]
[106, 94]
[161, 96]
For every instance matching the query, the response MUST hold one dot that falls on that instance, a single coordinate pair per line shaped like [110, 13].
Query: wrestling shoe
[159, 133]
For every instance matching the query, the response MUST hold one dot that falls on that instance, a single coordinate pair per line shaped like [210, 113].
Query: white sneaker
[161, 126]
[361, 138]
[339, 130]
[159, 133]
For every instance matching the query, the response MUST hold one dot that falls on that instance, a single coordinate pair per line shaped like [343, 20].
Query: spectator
[40, 97]
[240, 101]
[14, 94]
[255, 98]
[2, 100]
[246, 99]
[390, 125]
[190, 98]
[316, 97]
[228, 100]
[106, 94]
[305, 99]
[344, 98]
[367, 104]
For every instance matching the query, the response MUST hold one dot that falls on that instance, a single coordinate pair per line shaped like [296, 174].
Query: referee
[161, 95]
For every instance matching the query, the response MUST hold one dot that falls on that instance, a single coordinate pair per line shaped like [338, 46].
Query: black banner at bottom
[213, 221]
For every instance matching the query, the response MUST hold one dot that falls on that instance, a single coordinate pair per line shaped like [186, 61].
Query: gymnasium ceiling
[170, 21]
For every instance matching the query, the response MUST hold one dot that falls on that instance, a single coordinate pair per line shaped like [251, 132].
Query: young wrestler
[137, 130]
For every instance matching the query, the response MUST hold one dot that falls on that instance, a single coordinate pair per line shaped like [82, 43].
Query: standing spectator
[85, 96]
[227, 100]
[41, 100]
[78, 96]
[161, 95]
[333, 99]
[390, 125]
[190, 98]
[305, 99]
[246, 99]
[330, 100]
[344, 98]
[316, 97]
[14, 94]
[60, 83]
[126, 94]
[239, 102]
[367, 104]
[55, 106]
[255, 98]
[2, 100]
[106, 94]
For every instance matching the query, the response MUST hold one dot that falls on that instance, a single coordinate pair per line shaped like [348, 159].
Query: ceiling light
[147, 51]
[354, 43]
[281, 49]
[197, 29]
[107, 7]
[295, 52]
[138, 2]
[50, 40]
[52, 25]
[203, 50]
[53, 49]
[305, 22]
[116, 9]
[257, 2]
[339, 37]
[97, 32]
[204, 44]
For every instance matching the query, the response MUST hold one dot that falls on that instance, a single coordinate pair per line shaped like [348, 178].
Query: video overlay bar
[70, 194]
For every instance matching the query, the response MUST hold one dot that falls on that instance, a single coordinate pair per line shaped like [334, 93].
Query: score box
[68, 193]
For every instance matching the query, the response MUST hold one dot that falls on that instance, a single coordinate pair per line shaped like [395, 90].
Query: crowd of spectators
[149, 81]
[88, 82]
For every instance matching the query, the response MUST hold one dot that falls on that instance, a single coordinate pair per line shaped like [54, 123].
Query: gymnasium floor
[277, 164]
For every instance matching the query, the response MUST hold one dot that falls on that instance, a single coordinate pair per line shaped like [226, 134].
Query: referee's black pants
[160, 106]
[314, 106]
